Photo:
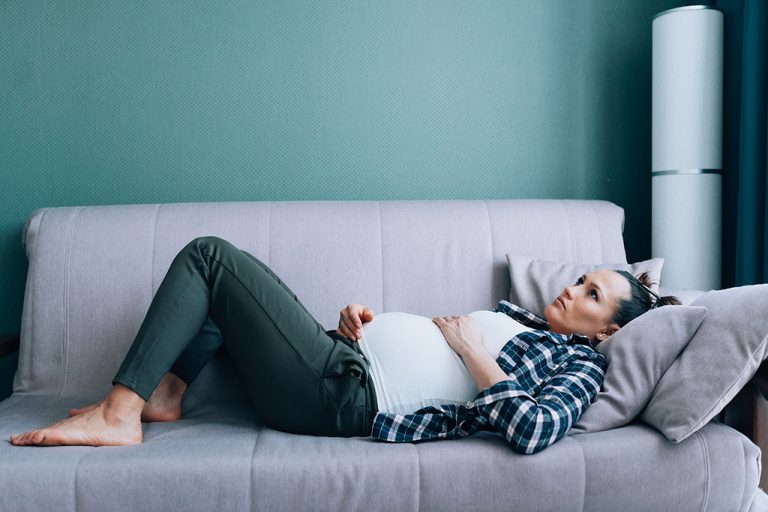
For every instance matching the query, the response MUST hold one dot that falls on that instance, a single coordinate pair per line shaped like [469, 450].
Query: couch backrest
[93, 270]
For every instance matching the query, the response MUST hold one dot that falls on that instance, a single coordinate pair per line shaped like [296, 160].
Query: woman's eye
[594, 294]
[580, 280]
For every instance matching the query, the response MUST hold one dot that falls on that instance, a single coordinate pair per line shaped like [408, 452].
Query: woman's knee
[202, 243]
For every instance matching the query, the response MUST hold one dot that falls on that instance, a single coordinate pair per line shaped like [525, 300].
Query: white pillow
[536, 283]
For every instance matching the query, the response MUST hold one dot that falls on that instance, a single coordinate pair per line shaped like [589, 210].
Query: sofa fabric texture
[93, 271]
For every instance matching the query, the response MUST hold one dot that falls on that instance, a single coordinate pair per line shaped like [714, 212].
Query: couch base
[220, 458]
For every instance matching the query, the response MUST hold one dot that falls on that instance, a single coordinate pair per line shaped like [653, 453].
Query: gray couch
[92, 274]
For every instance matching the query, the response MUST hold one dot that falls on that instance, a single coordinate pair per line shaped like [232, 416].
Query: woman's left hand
[461, 333]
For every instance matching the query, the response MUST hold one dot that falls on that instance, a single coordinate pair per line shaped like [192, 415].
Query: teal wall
[115, 101]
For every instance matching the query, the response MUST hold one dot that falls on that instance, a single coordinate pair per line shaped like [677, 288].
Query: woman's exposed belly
[412, 365]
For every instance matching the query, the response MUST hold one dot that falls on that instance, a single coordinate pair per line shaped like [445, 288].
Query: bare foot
[108, 424]
[163, 405]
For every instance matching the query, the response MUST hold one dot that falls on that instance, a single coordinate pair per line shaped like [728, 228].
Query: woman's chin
[548, 312]
[552, 314]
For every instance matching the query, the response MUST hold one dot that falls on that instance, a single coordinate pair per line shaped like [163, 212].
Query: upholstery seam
[705, 456]
[381, 249]
[564, 204]
[34, 321]
[583, 469]
[154, 253]
[744, 473]
[74, 490]
[250, 479]
[269, 234]
[418, 466]
[65, 343]
[490, 235]
[603, 257]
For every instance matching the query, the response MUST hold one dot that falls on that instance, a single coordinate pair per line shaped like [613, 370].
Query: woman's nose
[568, 292]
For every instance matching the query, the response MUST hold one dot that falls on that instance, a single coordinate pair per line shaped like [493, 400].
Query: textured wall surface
[167, 101]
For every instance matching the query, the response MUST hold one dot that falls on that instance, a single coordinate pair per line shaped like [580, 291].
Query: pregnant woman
[397, 377]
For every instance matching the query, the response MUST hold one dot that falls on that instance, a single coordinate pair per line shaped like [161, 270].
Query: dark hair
[643, 298]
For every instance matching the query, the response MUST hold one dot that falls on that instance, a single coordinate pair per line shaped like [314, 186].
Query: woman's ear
[608, 331]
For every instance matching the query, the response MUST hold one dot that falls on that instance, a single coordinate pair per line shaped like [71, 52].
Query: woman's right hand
[351, 320]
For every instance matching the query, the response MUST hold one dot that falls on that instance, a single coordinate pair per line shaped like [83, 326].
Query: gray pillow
[720, 359]
[638, 355]
[536, 283]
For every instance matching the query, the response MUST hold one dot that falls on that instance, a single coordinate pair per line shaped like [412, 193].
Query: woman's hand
[461, 333]
[351, 320]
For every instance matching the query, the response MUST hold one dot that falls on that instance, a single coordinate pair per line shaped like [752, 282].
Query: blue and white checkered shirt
[552, 380]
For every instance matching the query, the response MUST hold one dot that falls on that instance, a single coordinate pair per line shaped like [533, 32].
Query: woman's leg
[300, 379]
[165, 402]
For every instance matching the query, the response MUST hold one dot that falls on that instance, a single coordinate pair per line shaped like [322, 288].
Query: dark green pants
[300, 378]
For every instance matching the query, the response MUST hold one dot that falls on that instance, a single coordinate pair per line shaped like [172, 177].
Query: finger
[349, 326]
[345, 320]
[354, 316]
[347, 331]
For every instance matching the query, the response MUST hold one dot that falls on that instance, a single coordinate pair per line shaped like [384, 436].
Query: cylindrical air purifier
[687, 146]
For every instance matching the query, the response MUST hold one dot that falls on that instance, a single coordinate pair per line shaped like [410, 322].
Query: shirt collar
[530, 319]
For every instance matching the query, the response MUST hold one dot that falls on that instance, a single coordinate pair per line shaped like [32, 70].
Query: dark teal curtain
[745, 133]
[745, 129]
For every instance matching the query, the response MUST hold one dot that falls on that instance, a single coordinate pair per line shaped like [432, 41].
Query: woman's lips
[561, 301]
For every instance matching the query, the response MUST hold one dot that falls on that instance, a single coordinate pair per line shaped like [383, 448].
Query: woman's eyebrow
[584, 278]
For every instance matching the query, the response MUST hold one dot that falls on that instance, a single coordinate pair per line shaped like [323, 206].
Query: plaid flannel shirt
[552, 380]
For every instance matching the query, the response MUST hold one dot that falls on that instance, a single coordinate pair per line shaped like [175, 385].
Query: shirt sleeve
[530, 423]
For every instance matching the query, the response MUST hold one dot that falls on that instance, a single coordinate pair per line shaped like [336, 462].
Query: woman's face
[588, 306]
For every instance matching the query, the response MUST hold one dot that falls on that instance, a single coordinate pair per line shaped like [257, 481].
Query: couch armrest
[9, 343]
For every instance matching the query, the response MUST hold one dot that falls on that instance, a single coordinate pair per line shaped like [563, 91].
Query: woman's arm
[483, 367]
[530, 424]
[466, 340]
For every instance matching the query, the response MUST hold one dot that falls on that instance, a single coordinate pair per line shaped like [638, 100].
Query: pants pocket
[346, 376]
[344, 361]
